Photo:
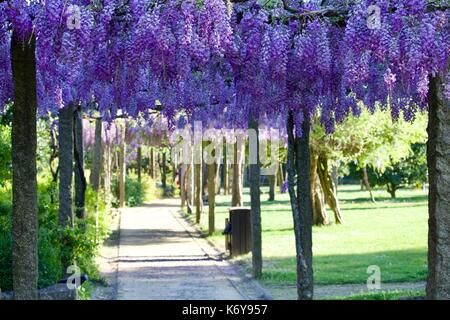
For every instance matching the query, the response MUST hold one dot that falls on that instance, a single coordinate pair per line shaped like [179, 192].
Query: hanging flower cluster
[132, 57]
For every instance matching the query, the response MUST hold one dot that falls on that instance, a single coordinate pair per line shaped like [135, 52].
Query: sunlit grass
[383, 295]
[391, 234]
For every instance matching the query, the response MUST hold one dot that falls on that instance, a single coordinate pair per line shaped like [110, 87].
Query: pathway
[162, 257]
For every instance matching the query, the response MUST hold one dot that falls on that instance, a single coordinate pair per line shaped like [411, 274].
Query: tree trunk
[66, 146]
[320, 216]
[190, 187]
[204, 180]
[211, 197]
[392, 189]
[52, 158]
[108, 174]
[24, 183]
[139, 165]
[122, 168]
[152, 163]
[164, 172]
[183, 185]
[280, 177]
[230, 179]
[438, 283]
[174, 170]
[299, 176]
[218, 167]
[367, 183]
[218, 178]
[97, 156]
[272, 183]
[335, 177]
[80, 179]
[329, 188]
[225, 171]
[236, 192]
[255, 200]
[198, 192]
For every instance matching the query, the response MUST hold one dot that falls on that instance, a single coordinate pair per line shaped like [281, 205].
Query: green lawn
[391, 234]
[384, 295]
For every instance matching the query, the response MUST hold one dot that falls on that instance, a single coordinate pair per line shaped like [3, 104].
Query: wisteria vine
[134, 57]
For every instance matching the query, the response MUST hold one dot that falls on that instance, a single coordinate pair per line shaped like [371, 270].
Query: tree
[374, 142]
[438, 283]
[24, 141]
[272, 183]
[80, 179]
[255, 199]
[411, 171]
[329, 188]
[152, 163]
[139, 164]
[237, 182]
[225, 171]
[122, 166]
[66, 147]
[211, 198]
[198, 192]
[298, 167]
[97, 156]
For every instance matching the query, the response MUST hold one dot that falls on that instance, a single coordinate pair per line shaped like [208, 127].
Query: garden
[326, 121]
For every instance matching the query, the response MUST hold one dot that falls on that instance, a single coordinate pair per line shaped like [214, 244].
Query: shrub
[135, 193]
[50, 268]
[57, 247]
[79, 245]
[49, 249]
[5, 154]
[410, 172]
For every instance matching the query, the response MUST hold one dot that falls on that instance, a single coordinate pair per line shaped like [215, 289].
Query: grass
[383, 295]
[391, 234]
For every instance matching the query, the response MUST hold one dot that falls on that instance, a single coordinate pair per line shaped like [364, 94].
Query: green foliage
[135, 193]
[411, 172]
[50, 269]
[5, 239]
[6, 115]
[372, 140]
[85, 291]
[57, 246]
[81, 243]
[49, 249]
[169, 191]
[5, 154]
[383, 295]
[5, 253]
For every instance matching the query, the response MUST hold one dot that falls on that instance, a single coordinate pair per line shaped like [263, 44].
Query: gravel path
[161, 257]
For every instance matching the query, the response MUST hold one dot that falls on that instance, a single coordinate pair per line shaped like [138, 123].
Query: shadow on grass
[395, 266]
[377, 207]
[388, 199]
[264, 203]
